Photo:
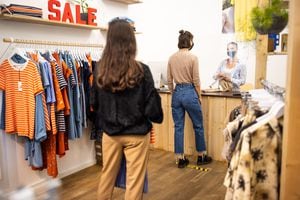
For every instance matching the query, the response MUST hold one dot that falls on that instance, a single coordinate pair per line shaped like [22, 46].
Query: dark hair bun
[181, 32]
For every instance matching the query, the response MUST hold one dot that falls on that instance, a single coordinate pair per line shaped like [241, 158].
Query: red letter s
[51, 4]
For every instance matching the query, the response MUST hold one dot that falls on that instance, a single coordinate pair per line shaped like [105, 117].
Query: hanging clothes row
[253, 148]
[46, 101]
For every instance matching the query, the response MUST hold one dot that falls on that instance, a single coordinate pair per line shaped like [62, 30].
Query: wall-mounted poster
[227, 17]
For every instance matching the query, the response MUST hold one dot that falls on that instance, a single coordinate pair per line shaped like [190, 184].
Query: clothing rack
[273, 89]
[52, 43]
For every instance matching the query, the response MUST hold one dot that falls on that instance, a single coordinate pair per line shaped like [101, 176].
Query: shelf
[128, 1]
[35, 20]
[277, 53]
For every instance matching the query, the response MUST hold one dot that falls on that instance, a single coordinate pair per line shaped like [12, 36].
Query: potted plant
[84, 6]
[269, 19]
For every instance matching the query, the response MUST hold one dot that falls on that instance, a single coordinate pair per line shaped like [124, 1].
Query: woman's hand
[220, 75]
[223, 76]
[226, 78]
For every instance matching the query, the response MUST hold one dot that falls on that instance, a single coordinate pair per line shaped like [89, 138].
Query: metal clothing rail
[52, 43]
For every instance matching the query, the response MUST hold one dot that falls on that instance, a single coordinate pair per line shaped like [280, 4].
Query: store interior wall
[14, 169]
[159, 23]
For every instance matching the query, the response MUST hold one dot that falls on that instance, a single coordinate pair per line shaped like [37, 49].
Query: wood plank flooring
[166, 181]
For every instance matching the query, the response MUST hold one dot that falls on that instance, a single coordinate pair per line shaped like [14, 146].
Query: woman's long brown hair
[118, 69]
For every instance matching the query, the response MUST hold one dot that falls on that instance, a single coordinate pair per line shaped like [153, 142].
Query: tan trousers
[136, 150]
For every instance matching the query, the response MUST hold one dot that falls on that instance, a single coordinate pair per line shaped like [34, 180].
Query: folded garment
[24, 14]
[22, 10]
[23, 6]
[17, 9]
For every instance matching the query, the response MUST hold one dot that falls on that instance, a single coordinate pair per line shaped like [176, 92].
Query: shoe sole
[184, 166]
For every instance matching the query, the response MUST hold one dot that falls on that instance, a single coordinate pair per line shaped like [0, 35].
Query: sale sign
[59, 12]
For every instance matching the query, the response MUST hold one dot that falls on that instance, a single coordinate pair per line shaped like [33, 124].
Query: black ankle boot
[203, 160]
[182, 163]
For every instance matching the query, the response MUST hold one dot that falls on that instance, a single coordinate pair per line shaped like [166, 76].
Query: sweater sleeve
[170, 78]
[196, 78]
[153, 109]
[241, 76]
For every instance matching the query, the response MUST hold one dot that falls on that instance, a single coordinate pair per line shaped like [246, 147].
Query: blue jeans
[184, 99]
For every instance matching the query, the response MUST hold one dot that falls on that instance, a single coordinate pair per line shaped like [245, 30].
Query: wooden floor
[166, 181]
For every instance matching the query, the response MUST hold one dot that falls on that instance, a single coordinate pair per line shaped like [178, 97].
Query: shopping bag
[121, 178]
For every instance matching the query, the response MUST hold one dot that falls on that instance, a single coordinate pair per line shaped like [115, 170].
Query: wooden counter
[216, 108]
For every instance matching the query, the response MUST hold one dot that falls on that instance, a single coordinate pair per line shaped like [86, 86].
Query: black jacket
[129, 112]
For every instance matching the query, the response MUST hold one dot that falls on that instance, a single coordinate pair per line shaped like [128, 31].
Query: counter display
[216, 108]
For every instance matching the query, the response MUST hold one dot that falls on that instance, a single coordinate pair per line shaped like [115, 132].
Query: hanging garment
[47, 79]
[79, 70]
[33, 149]
[45, 82]
[49, 155]
[60, 105]
[66, 72]
[253, 172]
[46, 113]
[40, 126]
[2, 110]
[230, 128]
[20, 84]
[74, 98]
[33, 153]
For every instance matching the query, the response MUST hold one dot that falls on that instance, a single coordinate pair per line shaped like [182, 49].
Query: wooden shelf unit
[127, 1]
[35, 20]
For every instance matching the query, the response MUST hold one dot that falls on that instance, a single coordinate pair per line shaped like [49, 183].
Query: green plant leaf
[262, 18]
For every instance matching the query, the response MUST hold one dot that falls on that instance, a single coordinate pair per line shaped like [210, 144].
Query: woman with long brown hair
[126, 103]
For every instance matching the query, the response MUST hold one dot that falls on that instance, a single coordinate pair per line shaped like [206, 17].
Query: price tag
[19, 85]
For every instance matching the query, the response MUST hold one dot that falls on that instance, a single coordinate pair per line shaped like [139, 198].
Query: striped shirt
[20, 84]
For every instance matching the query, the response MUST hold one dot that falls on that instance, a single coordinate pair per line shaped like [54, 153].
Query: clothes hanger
[84, 53]
[92, 53]
[87, 53]
[276, 111]
[17, 56]
[78, 57]
[82, 56]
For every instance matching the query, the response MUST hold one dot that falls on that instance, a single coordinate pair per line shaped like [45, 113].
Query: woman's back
[129, 111]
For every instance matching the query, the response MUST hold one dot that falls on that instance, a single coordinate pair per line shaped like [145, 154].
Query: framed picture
[284, 40]
[227, 17]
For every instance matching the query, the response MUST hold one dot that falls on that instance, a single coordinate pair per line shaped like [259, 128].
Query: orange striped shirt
[21, 84]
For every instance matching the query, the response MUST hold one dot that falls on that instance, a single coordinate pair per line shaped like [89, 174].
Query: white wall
[15, 171]
[276, 69]
[160, 22]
